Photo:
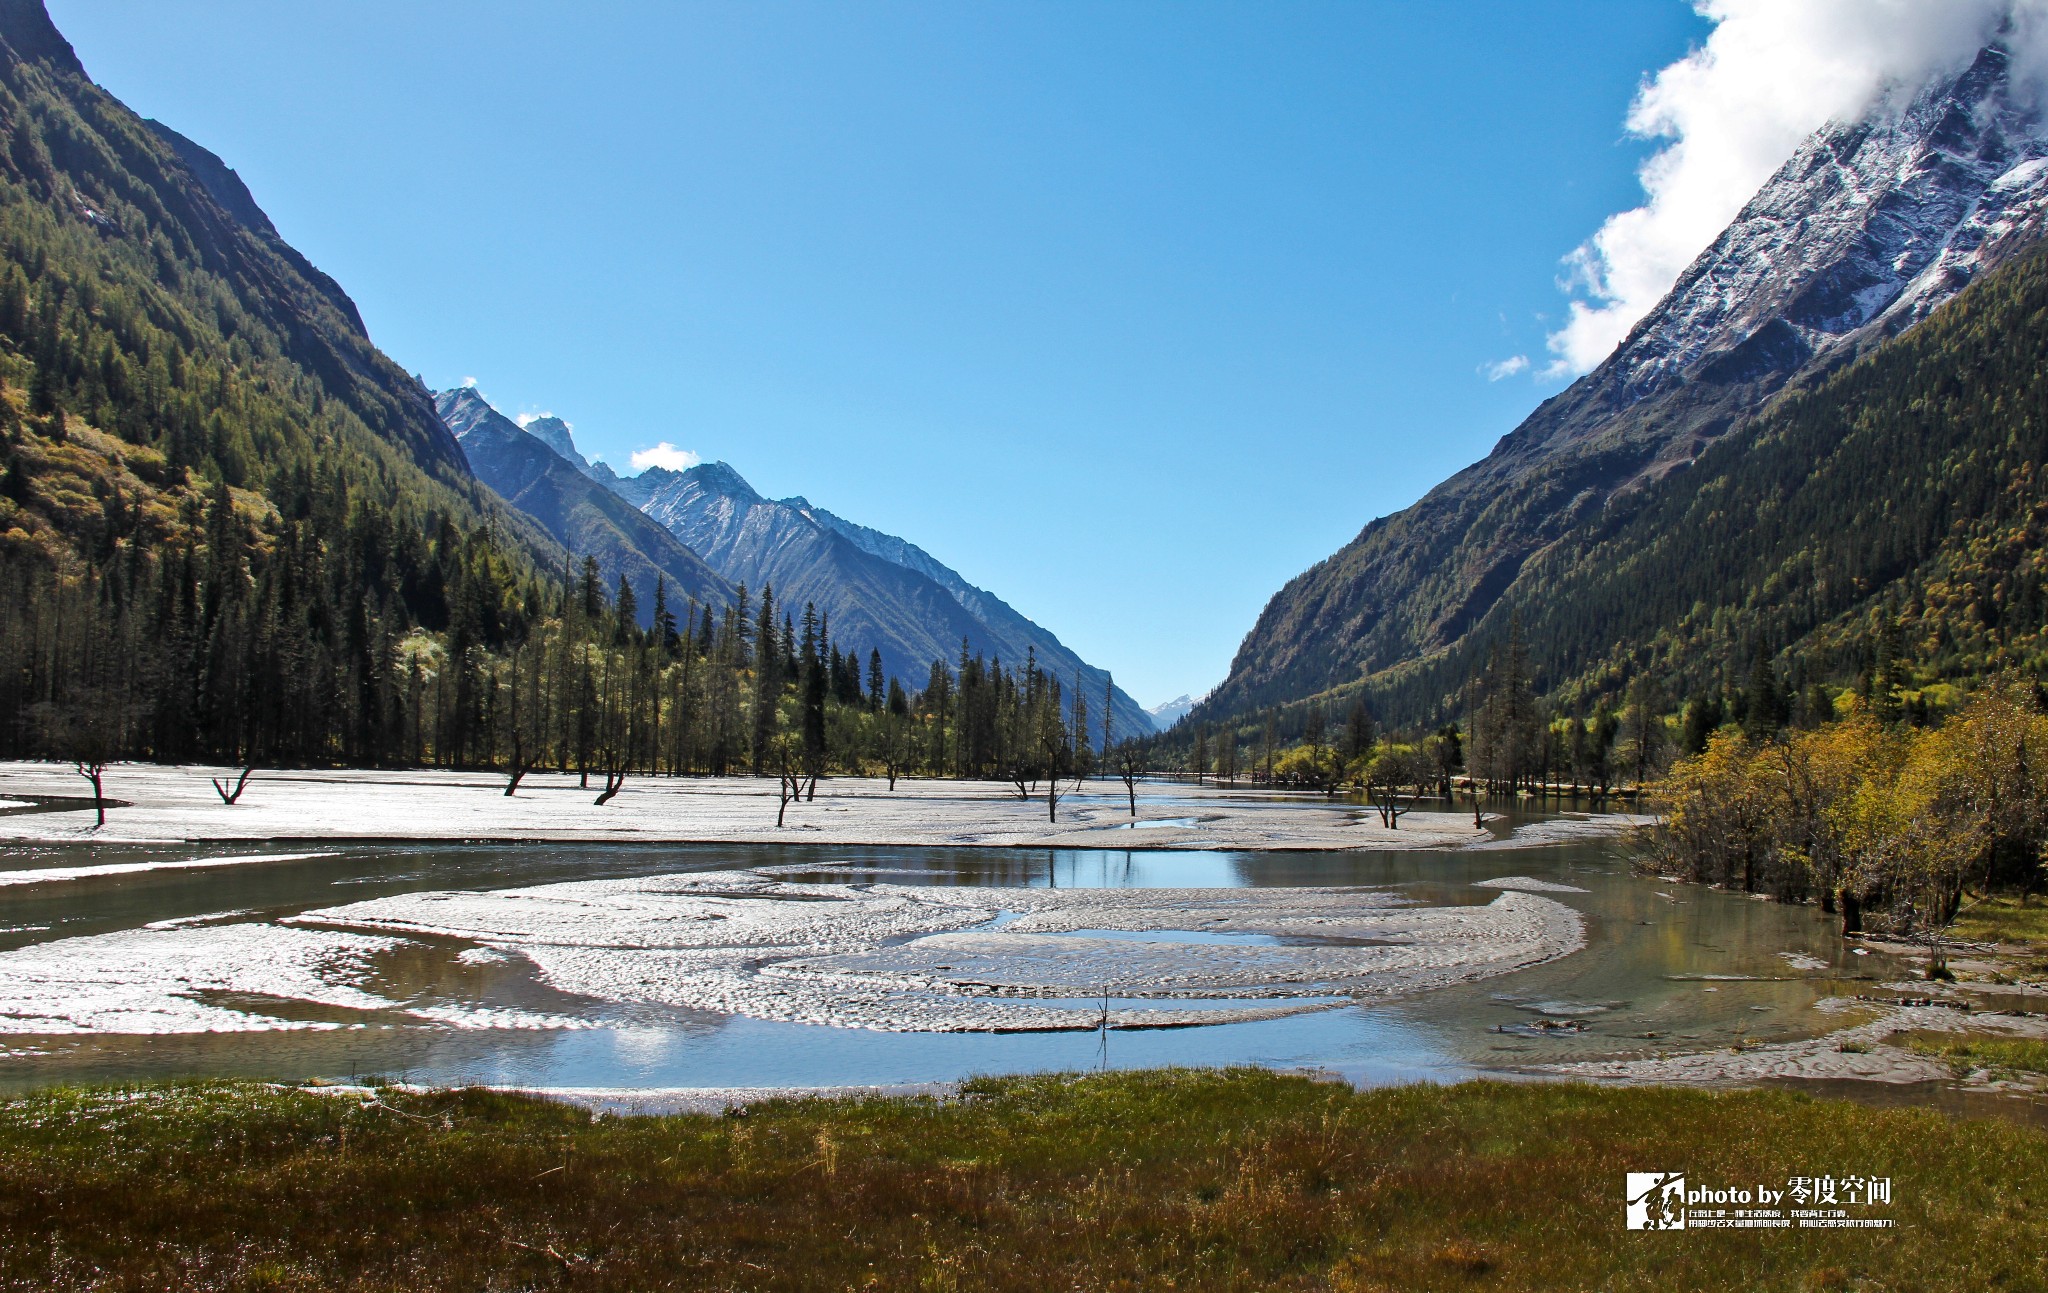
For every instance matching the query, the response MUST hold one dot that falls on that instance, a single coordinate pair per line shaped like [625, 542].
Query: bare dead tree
[230, 796]
[521, 757]
[516, 772]
[92, 770]
[612, 765]
[788, 783]
[1130, 764]
[1108, 713]
[86, 732]
[895, 746]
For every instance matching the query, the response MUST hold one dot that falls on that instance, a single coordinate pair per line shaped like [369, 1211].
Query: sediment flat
[884, 957]
[177, 804]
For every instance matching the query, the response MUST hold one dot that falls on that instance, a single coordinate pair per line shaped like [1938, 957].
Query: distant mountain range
[1871, 228]
[877, 591]
[570, 502]
[1171, 712]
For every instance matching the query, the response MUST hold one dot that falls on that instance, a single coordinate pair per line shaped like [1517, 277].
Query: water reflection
[1663, 969]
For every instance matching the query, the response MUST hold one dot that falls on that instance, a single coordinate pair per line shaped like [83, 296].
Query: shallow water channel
[1664, 967]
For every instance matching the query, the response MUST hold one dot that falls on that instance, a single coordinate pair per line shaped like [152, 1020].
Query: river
[1664, 967]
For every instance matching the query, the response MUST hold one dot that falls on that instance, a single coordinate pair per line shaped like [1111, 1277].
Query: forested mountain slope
[149, 292]
[1898, 507]
[221, 507]
[1867, 229]
[577, 511]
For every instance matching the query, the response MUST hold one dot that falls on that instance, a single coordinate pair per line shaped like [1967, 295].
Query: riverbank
[1983, 1030]
[178, 804]
[1890, 1046]
[1158, 1179]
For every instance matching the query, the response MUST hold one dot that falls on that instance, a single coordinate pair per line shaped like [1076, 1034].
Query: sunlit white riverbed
[1661, 967]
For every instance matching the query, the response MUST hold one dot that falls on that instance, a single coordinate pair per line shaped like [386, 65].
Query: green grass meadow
[1155, 1180]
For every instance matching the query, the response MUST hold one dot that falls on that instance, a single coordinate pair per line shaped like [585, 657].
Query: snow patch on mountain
[1872, 222]
[1168, 713]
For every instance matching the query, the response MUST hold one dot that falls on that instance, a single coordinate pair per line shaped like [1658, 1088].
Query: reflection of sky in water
[1639, 978]
[1174, 936]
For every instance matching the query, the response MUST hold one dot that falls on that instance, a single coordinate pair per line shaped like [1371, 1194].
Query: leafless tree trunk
[92, 770]
[1127, 768]
[519, 760]
[230, 796]
[1386, 801]
[1383, 783]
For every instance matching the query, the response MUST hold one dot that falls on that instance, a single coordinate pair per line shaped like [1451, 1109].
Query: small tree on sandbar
[1391, 771]
[86, 732]
[1130, 765]
[893, 744]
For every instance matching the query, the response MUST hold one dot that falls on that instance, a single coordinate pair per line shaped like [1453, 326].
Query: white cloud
[470, 382]
[1770, 74]
[1500, 368]
[526, 420]
[664, 455]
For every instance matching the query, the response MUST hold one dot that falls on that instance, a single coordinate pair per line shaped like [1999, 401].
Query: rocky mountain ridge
[576, 510]
[1865, 230]
[878, 591]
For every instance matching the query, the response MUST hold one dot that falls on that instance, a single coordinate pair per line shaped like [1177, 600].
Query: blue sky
[1129, 312]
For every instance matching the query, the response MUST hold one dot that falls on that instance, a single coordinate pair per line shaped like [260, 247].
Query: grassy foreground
[2002, 1056]
[2014, 918]
[1183, 1180]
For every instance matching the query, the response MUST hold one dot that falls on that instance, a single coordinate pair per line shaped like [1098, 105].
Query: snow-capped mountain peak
[1870, 226]
[1876, 221]
[1165, 715]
